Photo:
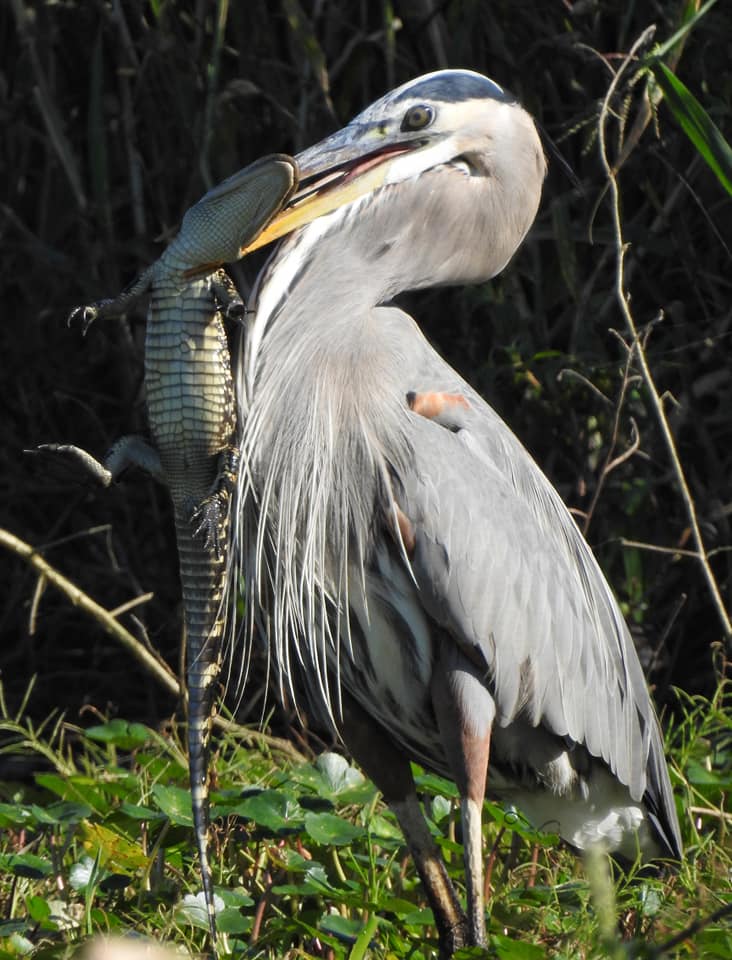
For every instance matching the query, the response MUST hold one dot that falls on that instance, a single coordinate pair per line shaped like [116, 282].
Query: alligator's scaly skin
[192, 418]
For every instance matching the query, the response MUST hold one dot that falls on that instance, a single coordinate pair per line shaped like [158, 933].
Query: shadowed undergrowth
[115, 118]
[308, 861]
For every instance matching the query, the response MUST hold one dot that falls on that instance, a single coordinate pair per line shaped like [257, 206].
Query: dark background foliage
[116, 116]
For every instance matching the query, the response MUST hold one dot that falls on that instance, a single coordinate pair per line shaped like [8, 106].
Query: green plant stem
[623, 301]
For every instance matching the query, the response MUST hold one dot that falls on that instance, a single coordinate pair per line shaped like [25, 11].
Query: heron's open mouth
[325, 188]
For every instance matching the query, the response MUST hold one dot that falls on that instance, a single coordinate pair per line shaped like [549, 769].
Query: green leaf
[509, 949]
[38, 908]
[62, 812]
[327, 828]
[26, 865]
[342, 927]
[15, 815]
[175, 804]
[137, 812]
[232, 921]
[192, 908]
[84, 873]
[121, 733]
[273, 810]
[696, 123]
[315, 881]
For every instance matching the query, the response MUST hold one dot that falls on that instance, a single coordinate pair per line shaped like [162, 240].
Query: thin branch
[623, 301]
[158, 668]
[611, 462]
[692, 929]
[78, 598]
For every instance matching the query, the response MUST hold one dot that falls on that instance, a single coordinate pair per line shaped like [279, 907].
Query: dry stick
[82, 600]
[620, 250]
[158, 668]
[612, 461]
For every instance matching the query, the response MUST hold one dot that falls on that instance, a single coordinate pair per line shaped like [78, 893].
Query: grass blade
[696, 123]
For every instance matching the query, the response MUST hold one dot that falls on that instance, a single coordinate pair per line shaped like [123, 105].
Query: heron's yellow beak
[323, 188]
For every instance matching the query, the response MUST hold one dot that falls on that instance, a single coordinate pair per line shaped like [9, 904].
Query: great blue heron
[409, 563]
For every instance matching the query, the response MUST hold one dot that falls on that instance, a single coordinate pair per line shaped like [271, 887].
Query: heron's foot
[77, 460]
[447, 409]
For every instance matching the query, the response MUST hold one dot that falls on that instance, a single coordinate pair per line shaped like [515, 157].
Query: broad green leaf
[62, 812]
[314, 881]
[77, 789]
[121, 733]
[15, 815]
[192, 908]
[112, 848]
[342, 927]
[338, 772]
[508, 949]
[232, 921]
[38, 908]
[83, 873]
[696, 123]
[175, 804]
[273, 810]
[431, 783]
[327, 828]
[137, 812]
[26, 865]
[382, 828]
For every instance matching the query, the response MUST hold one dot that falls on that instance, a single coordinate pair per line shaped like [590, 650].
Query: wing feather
[501, 564]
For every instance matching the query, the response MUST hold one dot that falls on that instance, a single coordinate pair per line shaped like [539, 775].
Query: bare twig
[692, 929]
[78, 598]
[149, 661]
[623, 301]
[611, 461]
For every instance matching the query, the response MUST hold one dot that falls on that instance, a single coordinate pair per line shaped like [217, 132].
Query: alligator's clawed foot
[236, 310]
[76, 459]
[85, 316]
[208, 520]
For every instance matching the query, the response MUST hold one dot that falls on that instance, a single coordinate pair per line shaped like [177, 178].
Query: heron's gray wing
[501, 565]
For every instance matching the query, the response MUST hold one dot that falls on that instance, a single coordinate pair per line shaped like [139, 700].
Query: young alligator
[192, 418]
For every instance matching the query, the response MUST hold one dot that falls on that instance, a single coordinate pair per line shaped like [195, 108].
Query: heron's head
[450, 153]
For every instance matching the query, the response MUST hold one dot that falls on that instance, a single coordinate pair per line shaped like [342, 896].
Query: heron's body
[415, 572]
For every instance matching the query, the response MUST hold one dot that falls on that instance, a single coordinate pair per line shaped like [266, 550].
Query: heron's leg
[390, 771]
[465, 712]
[447, 409]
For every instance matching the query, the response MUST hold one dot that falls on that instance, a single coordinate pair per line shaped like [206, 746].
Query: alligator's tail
[203, 580]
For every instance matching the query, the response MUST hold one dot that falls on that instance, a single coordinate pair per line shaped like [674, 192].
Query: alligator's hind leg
[210, 517]
[128, 451]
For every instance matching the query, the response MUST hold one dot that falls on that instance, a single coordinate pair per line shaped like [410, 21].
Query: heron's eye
[416, 118]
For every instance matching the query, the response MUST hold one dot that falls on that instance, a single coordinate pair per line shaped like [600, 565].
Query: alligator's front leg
[114, 307]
